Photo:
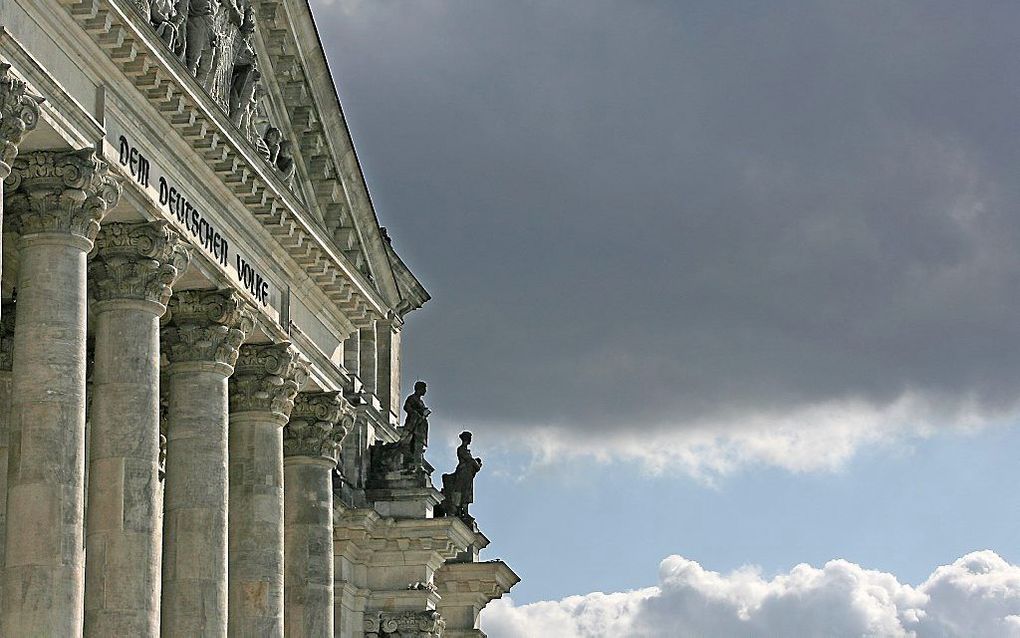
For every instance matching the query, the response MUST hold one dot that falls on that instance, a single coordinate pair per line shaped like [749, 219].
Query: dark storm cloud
[644, 213]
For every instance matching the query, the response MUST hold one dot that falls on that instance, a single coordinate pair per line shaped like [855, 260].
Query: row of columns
[247, 488]
[373, 355]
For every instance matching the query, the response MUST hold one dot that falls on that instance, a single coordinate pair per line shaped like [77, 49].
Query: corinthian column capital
[266, 379]
[60, 192]
[137, 262]
[19, 114]
[318, 425]
[206, 326]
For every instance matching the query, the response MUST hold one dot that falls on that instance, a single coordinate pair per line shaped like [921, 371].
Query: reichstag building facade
[202, 429]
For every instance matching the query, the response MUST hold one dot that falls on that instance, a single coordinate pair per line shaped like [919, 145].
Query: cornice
[137, 51]
[490, 579]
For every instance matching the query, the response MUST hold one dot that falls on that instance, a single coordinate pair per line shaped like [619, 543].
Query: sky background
[728, 281]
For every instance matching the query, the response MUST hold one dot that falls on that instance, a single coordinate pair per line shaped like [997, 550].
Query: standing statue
[415, 437]
[459, 487]
[198, 19]
[245, 75]
[162, 15]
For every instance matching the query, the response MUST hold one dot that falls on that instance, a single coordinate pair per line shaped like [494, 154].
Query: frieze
[60, 191]
[266, 378]
[136, 261]
[19, 113]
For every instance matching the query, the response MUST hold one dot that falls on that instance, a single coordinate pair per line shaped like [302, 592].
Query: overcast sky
[702, 241]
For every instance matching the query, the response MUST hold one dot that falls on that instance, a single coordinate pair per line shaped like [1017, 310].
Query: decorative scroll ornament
[206, 326]
[266, 378]
[137, 261]
[19, 113]
[318, 424]
[404, 624]
[7, 336]
[61, 192]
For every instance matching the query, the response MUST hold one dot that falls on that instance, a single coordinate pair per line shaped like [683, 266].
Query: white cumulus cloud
[977, 595]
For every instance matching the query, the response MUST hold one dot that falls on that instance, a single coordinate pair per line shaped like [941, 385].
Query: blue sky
[725, 282]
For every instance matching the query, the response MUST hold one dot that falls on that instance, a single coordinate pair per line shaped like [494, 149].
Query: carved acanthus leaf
[206, 325]
[137, 261]
[404, 624]
[266, 378]
[60, 191]
[19, 113]
[318, 424]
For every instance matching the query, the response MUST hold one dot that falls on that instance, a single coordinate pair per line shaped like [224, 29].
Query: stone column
[310, 444]
[201, 341]
[56, 200]
[131, 275]
[6, 358]
[19, 114]
[262, 390]
[367, 364]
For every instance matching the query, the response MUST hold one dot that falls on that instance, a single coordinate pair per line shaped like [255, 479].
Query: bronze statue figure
[415, 436]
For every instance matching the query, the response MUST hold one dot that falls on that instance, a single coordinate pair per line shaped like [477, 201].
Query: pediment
[262, 63]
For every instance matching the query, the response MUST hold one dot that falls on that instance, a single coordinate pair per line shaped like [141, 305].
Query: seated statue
[162, 14]
[285, 166]
[415, 435]
[459, 487]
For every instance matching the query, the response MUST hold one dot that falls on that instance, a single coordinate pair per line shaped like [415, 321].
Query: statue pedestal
[404, 493]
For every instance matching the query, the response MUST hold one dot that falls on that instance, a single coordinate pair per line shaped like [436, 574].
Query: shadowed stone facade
[183, 210]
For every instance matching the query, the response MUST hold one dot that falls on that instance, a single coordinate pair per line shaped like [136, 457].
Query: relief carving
[318, 424]
[206, 326]
[137, 261]
[19, 114]
[266, 379]
[60, 191]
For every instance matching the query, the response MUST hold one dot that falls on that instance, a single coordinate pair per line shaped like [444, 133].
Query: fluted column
[56, 201]
[310, 444]
[6, 358]
[201, 341]
[262, 390]
[131, 275]
[19, 114]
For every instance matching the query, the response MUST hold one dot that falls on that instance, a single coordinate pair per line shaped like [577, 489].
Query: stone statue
[245, 74]
[459, 487]
[415, 436]
[198, 19]
[272, 138]
[162, 16]
[286, 168]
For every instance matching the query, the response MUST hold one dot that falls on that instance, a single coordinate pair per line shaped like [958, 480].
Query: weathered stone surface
[203, 337]
[137, 262]
[57, 201]
[66, 192]
[308, 543]
[207, 326]
[6, 358]
[404, 624]
[131, 274]
[318, 424]
[262, 390]
[19, 114]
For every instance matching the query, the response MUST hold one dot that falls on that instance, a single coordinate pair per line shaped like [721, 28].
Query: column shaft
[6, 349]
[195, 503]
[44, 582]
[308, 538]
[256, 525]
[123, 541]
